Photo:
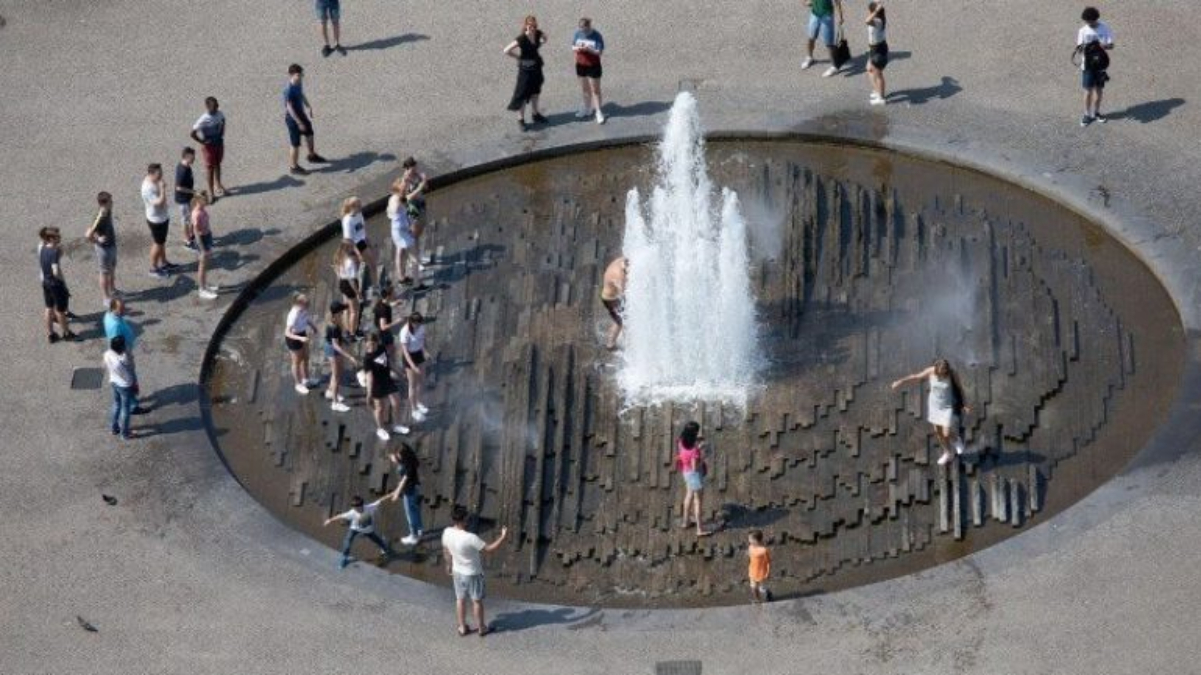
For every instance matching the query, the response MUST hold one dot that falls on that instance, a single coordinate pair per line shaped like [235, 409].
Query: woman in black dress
[381, 388]
[529, 70]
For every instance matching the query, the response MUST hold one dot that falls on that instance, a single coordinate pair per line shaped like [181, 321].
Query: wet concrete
[868, 264]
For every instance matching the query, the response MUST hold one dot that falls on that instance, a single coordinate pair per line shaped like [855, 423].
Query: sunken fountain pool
[864, 264]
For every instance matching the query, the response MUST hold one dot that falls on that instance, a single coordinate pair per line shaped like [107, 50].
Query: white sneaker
[330, 397]
[338, 406]
[875, 100]
[583, 114]
[400, 429]
[382, 434]
[959, 447]
[207, 294]
[422, 409]
[409, 540]
[213, 287]
[806, 63]
[830, 72]
[600, 117]
[301, 389]
[418, 416]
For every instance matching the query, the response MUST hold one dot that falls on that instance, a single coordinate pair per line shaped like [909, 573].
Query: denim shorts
[1093, 79]
[329, 10]
[106, 258]
[469, 586]
[693, 480]
[823, 26]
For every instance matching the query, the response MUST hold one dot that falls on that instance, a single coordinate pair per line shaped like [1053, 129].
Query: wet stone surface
[867, 265]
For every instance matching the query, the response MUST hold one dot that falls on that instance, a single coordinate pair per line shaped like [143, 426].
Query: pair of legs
[298, 130]
[412, 504]
[56, 297]
[348, 541]
[535, 114]
[614, 308]
[213, 155]
[185, 217]
[590, 87]
[406, 260]
[469, 587]
[300, 365]
[759, 592]
[875, 76]
[380, 407]
[369, 266]
[949, 441]
[1092, 101]
[335, 377]
[123, 404]
[692, 503]
[158, 245]
[823, 27]
[107, 258]
[325, 24]
[416, 380]
[204, 243]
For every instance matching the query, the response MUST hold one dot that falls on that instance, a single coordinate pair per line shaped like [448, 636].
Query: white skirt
[942, 417]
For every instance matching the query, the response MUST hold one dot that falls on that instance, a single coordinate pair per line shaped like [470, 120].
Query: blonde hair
[200, 198]
[299, 298]
[350, 205]
[529, 19]
[398, 186]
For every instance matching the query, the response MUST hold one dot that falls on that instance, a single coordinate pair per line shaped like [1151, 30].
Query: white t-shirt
[211, 127]
[298, 320]
[353, 227]
[363, 521]
[150, 194]
[1101, 33]
[876, 31]
[349, 268]
[119, 372]
[413, 340]
[464, 550]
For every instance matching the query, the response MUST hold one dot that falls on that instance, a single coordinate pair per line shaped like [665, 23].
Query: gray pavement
[188, 574]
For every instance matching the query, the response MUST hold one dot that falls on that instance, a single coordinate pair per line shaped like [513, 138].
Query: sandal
[485, 630]
[464, 631]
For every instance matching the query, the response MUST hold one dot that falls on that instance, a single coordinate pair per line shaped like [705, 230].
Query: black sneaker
[1085, 120]
[522, 125]
[327, 50]
[340, 49]
[298, 171]
[317, 159]
[191, 245]
[53, 337]
[540, 119]
[70, 336]
[1100, 118]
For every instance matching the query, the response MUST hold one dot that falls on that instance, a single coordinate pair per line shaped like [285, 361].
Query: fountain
[690, 325]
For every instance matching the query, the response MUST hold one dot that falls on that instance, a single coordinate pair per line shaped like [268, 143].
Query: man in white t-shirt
[1093, 40]
[154, 197]
[462, 551]
[361, 521]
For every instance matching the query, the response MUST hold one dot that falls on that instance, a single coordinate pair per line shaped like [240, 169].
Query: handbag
[842, 51]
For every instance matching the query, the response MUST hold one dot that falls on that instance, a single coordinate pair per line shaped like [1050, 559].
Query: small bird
[109, 499]
[83, 623]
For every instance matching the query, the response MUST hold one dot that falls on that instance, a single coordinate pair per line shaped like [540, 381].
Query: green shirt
[822, 8]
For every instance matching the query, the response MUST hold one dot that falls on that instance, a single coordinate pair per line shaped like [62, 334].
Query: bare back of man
[613, 290]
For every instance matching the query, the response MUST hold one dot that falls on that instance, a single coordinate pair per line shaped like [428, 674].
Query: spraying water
[689, 312]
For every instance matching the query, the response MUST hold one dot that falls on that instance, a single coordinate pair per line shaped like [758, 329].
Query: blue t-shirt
[184, 179]
[593, 40]
[294, 94]
[117, 325]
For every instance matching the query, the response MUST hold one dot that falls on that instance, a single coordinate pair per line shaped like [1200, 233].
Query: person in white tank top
[945, 402]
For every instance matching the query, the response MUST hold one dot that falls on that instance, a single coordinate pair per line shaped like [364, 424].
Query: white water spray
[689, 312]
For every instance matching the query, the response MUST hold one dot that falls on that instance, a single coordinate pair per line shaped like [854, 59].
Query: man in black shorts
[154, 196]
[588, 45]
[54, 286]
[298, 117]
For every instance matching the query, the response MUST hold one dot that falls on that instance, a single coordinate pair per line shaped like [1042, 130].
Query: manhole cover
[87, 378]
[678, 668]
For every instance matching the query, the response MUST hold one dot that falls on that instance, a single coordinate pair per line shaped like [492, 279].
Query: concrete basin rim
[1117, 219]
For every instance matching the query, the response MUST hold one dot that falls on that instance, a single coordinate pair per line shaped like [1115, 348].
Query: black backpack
[1095, 57]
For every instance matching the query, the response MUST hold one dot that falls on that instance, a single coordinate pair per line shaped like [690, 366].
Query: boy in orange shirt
[760, 566]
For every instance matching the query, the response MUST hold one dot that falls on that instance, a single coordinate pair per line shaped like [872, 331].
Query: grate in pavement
[87, 378]
[678, 668]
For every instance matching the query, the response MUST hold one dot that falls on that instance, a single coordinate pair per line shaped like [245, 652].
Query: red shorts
[213, 154]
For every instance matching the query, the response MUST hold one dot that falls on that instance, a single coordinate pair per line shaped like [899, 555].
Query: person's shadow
[858, 65]
[946, 89]
[388, 43]
[1151, 111]
[532, 618]
[354, 162]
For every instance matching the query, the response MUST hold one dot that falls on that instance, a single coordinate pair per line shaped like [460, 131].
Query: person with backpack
[1094, 40]
[822, 15]
[690, 461]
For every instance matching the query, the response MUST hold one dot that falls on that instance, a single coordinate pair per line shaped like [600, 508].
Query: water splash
[690, 326]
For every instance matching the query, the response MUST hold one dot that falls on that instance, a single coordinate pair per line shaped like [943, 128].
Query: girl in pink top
[204, 242]
[690, 460]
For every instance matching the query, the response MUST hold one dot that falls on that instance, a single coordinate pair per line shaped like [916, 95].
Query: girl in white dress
[945, 403]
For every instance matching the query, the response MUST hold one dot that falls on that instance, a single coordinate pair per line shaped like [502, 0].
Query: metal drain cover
[678, 668]
[87, 378]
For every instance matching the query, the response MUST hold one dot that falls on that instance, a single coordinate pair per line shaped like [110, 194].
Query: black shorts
[614, 307]
[347, 289]
[387, 338]
[383, 387]
[294, 345]
[56, 296]
[361, 246]
[294, 132]
[158, 231]
[418, 359]
[593, 72]
[877, 55]
[1093, 79]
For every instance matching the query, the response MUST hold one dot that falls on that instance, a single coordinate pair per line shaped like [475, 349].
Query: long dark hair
[871, 6]
[408, 459]
[690, 434]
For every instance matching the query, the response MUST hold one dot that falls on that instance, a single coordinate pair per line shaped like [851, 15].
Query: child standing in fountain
[691, 462]
[760, 566]
[945, 404]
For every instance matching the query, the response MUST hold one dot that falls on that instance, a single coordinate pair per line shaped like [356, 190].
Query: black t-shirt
[411, 472]
[528, 55]
[377, 363]
[48, 257]
[104, 228]
[382, 311]
[183, 179]
[333, 334]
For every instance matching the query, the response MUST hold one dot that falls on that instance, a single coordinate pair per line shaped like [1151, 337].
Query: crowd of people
[363, 287]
